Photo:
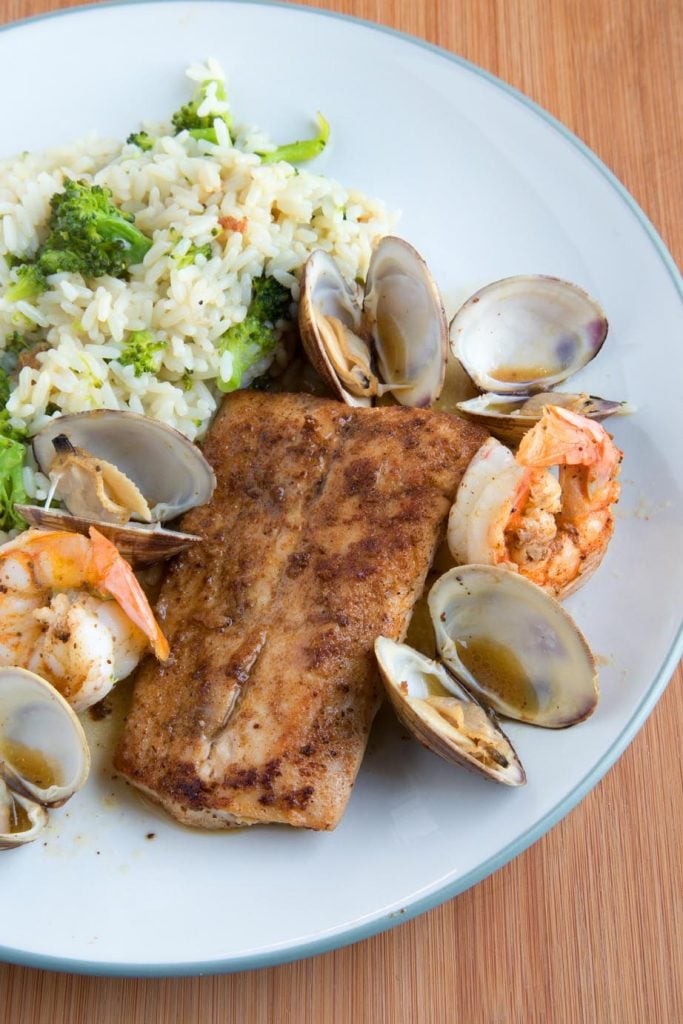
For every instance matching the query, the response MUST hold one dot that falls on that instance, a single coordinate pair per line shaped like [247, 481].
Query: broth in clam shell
[527, 333]
[513, 646]
[44, 755]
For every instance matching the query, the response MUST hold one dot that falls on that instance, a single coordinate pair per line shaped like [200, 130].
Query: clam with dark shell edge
[513, 646]
[393, 337]
[44, 755]
[443, 716]
[509, 417]
[107, 466]
[518, 338]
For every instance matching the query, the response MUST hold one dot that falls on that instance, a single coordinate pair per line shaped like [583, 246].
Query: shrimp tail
[520, 497]
[564, 438]
[111, 574]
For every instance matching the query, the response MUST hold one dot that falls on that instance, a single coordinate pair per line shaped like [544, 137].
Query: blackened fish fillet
[318, 538]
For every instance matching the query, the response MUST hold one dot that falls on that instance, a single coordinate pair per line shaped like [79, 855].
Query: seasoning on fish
[318, 538]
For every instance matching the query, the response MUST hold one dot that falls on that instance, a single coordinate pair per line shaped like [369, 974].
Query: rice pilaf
[186, 194]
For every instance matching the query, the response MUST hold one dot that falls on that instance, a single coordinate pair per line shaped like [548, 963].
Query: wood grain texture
[587, 925]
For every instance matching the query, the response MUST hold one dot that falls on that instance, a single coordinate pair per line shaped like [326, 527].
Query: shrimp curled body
[72, 611]
[513, 512]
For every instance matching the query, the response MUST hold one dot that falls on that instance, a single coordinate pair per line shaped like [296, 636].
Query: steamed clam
[44, 756]
[509, 417]
[513, 646]
[124, 473]
[443, 716]
[518, 338]
[391, 338]
[525, 334]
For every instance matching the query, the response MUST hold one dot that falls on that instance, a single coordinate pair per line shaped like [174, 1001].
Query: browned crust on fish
[318, 538]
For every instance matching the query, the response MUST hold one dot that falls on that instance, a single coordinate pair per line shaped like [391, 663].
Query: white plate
[489, 186]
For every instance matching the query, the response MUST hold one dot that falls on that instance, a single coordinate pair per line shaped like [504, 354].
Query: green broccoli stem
[304, 149]
[136, 244]
[204, 135]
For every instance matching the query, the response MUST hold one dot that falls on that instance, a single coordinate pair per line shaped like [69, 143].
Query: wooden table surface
[587, 925]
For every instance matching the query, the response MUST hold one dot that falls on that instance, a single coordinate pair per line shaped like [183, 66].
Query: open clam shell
[21, 820]
[508, 417]
[525, 334]
[443, 716]
[140, 544]
[44, 754]
[405, 316]
[107, 466]
[168, 469]
[391, 338]
[513, 646]
[331, 331]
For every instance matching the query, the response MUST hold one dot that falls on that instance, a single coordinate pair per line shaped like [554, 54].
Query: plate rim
[387, 920]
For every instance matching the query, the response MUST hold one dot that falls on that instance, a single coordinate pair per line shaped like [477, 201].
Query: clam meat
[513, 646]
[94, 488]
[390, 338]
[44, 755]
[443, 716]
[123, 473]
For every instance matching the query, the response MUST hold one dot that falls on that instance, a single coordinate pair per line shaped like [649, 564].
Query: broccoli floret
[189, 257]
[29, 284]
[270, 300]
[188, 118]
[253, 338]
[140, 352]
[61, 261]
[304, 149]
[89, 235]
[142, 140]
[247, 342]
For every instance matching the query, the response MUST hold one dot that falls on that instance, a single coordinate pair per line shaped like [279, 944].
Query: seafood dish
[230, 472]
[319, 537]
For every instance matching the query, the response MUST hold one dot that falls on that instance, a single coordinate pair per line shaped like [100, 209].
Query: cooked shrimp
[58, 619]
[512, 511]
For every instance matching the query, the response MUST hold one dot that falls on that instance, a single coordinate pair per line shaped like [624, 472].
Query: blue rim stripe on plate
[389, 919]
